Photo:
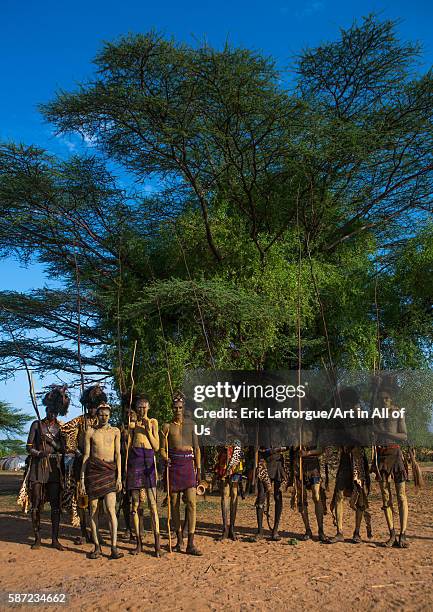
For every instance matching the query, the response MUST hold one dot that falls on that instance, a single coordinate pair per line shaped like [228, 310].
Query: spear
[168, 492]
[31, 388]
[129, 408]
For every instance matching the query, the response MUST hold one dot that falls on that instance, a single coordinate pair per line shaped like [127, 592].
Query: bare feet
[403, 543]
[36, 544]
[56, 544]
[191, 549]
[224, 535]
[307, 535]
[392, 539]
[356, 539]
[137, 550]
[116, 554]
[339, 537]
[179, 543]
[275, 536]
[232, 535]
[322, 537]
[95, 554]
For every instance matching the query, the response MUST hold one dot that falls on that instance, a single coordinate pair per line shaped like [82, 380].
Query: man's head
[56, 401]
[349, 397]
[103, 413]
[91, 398]
[385, 397]
[178, 405]
[141, 405]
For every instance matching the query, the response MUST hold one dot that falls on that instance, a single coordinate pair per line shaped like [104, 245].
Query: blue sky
[47, 45]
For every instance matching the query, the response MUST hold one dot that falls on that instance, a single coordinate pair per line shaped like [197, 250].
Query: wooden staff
[45, 461]
[167, 472]
[298, 333]
[129, 409]
[80, 362]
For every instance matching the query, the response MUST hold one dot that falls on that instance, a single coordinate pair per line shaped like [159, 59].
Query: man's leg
[54, 493]
[85, 536]
[361, 510]
[303, 504]
[93, 508]
[153, 509]
[110, 504]
[126, 511]
[359, 513]
[278, 502]
[260, 505]
[135, 520]
[36, 499]
[191, 502]
[400, 488]
[318, 509]
[175, 519]
[233, 508]
[339, 508]
[225, 501]
[385, 490]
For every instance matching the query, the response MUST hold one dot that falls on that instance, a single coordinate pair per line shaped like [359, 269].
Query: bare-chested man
[141, 470]
[184, 469]
[74, 433]
[390, 463]
[101, 476]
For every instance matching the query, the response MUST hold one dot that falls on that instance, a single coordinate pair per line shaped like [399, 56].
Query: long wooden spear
[168, 492]
[131, 394]
[32, 393]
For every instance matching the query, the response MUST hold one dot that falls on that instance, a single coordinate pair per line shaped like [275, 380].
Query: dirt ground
[230, 575]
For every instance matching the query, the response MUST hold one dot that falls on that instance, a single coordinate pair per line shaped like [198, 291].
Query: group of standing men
[108, 460]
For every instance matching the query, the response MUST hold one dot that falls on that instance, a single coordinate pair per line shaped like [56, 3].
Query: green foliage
[12, 421]
[12, 447]
[267, 199]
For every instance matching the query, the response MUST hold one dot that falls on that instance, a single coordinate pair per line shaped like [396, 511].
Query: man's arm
[163, 436]
[401, 430]
[314, 452]
[31, 442]
[151, 429]
[197, 454]
[85, 458]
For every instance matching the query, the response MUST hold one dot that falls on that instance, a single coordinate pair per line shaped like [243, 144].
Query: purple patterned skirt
[141, 469]
[181, 471]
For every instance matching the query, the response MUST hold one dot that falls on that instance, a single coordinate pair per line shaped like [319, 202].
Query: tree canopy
[240, 190]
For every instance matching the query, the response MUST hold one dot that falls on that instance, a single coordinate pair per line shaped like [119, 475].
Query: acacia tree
[264, 189]
[12, 422]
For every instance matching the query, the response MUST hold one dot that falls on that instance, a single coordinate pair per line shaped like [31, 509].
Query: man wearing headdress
[183, 459]
[46, 468]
